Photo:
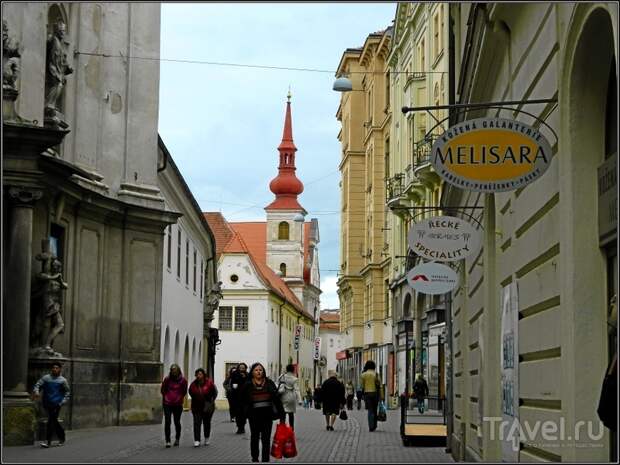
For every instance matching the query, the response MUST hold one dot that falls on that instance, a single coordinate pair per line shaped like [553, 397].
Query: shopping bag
[381, 412]
[343, 415]
[290, 445]
[280, 438]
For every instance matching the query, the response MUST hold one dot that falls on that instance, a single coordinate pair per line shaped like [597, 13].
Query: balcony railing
[422, 161]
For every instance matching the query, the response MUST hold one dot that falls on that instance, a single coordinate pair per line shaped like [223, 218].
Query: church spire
[285, 185]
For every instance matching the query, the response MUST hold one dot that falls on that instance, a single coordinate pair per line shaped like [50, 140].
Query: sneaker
[167, 444]
[45, 444]
[207, 441]
[176, 443]
[196, 443]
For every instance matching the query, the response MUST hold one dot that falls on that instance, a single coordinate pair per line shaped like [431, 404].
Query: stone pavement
[350, 442]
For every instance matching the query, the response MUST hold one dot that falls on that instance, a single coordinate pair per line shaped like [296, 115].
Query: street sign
[432, 278]
[317, 348]
[491, 155]
[297, 335]
[444, 238]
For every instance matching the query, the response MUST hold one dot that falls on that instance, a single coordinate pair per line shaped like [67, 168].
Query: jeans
[53, 411]
[359, 403]
[176, 411]
[260, 429]
[420, 404]
[204, 419]
[371, 399]
[350, 402]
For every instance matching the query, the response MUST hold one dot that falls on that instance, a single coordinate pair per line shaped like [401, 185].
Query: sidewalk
[350, 442]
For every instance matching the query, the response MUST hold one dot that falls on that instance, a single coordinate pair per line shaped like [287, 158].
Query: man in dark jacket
[55, 394]
[237, 380]
[333, 398]
[420, 389]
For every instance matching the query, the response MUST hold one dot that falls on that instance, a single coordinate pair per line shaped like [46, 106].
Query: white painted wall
[331, 342]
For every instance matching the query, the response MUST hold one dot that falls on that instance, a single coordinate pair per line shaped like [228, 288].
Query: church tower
[285, 241]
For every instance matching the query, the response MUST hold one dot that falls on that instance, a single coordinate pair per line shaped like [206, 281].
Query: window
[169, 254]
[241, 318]
[283, 231]
[179, 254]
[187, 262]
[421, 57]
[283, 269]
[225, 319]
[202, 270]
[194, 270]
[436, 48]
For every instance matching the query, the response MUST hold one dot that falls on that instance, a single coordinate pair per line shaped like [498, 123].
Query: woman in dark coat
[261, 405]
[333, 397]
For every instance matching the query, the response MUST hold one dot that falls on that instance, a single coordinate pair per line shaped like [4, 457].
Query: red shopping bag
[290, 446]
[280, 437]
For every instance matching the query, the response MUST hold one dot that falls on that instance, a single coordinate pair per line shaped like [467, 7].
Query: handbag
[343, 415]
[290, 446]
[381, 412]
[279, 438]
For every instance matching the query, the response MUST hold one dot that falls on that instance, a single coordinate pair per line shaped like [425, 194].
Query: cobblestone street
[350, 442]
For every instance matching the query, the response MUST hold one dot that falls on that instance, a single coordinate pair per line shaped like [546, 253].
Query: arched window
[283, 269]
[283, 231]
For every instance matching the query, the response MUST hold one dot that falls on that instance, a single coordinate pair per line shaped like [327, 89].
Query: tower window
[283, 269]
[283, 231]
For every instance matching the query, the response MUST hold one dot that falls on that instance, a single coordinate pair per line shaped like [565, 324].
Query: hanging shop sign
[443, 238]
[297, 336]
[432, 278]
[491, 155]
[317, 348]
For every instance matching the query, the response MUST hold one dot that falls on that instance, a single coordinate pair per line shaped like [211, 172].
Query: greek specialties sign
[432, 278]
[443, 239]
[491, 155]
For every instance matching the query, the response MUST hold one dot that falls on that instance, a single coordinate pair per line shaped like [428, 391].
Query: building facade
[550, 245]
[332, 343]
[418, 70]
[83, 210]
[366, 320]
[189, 276]
[270, 280]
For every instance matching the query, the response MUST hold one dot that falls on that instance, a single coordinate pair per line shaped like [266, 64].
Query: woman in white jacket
[289, 393]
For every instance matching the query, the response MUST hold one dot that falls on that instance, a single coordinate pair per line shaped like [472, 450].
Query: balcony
[414, 189]
[423, 169]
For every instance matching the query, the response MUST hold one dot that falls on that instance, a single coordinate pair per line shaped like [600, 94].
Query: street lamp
[343, 84]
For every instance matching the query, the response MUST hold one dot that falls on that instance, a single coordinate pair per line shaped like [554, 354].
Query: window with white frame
[233, 317]
[225, 318]
[241, 318]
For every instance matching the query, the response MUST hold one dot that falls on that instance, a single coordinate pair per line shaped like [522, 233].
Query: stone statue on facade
[56, 68]
[48, 322]
[212, 302]
[10, 60]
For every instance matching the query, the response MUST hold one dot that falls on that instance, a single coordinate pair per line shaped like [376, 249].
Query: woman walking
[332, 395]
[289, 393]
[262, 405]
[229, 396]
[371, 386]
[203, 393]
[173, 391]
[350, 390]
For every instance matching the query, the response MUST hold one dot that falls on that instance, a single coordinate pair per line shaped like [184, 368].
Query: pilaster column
[18, 410]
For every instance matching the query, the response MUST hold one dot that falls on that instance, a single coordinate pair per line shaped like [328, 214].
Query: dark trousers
[53, 425]
[240, 418]
[350, 402]
[291, 419]
[359, 403]
[260, 429]
[371, 399]
[204, 419]
[231, 408]
[176, 411]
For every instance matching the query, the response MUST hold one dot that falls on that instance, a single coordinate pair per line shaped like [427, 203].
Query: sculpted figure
[56, 69]
[212, 301]
[10, 59]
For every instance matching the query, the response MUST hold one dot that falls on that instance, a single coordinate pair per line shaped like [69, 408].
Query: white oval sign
[444, 239]
[491, 154]
[432, 278]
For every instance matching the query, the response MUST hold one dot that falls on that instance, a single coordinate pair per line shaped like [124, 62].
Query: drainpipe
[280, 339]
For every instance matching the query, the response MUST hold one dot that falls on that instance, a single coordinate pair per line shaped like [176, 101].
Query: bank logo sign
[491, 155]
[432, 278]
[443, 239]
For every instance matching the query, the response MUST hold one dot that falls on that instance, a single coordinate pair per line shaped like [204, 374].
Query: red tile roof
[329, 320]
[251, 238]
[222, 233]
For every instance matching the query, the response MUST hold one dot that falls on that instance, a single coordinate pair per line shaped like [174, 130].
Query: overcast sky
[222, 124]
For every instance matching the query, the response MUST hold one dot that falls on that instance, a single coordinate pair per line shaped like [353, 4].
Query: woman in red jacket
[173, 391]
[203, 393]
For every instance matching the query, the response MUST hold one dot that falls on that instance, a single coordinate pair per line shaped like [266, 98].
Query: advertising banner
[491, 155]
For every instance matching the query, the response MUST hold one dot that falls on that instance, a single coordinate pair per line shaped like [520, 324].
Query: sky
[222, 124]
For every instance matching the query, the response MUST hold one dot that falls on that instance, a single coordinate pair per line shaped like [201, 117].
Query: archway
[585, 265]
